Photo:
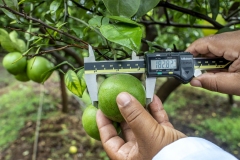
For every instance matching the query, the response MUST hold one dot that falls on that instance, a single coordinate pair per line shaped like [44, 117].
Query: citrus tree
[61, 30]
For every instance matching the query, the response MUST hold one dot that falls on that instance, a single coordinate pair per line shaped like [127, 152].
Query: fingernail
[196, 83]
[123, 99]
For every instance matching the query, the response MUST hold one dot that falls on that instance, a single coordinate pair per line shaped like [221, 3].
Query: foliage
[111, 27]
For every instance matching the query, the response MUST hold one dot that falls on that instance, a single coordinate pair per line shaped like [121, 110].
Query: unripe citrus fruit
[15, 63]
[73, 150]
[207, 32]
[22, 77]
[37, 69]
[89, 122]
[114, 85]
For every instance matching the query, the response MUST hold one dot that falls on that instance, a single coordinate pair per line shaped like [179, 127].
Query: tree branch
[190, 12]
[80, 6]
[44, 24]
[176, 25]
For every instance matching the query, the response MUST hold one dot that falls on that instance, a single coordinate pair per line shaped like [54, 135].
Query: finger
[202, 46]
[138, 119]
[235, 66]
[223, 82]
[157, 111]
[109, 137]
[217, 45]
[127, 132]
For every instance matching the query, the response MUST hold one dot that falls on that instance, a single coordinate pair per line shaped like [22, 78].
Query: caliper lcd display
[163, 64]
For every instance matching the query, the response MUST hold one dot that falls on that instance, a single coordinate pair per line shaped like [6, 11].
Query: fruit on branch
[39, 69]
[14, 63]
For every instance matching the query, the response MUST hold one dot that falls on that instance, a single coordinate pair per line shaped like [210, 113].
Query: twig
[52, 50]
[232, 14]
[80, 6]
[65, 11]
[42, 23]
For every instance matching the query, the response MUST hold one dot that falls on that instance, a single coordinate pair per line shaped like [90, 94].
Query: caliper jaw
[91, 80]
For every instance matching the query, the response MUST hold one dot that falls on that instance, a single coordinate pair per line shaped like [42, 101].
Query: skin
[221, 45]
[146, 133]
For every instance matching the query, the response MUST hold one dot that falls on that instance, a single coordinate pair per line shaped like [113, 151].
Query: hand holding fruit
[144, 134]
[221, 45]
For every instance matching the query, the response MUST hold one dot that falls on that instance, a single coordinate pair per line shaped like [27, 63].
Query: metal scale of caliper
[181, 65]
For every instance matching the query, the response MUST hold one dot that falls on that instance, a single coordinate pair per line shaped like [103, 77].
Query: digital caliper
[181, 65]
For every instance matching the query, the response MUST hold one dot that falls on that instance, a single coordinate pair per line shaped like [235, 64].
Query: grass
[18, 105]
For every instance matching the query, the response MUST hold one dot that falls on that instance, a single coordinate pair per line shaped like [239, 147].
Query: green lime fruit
[38, 69]
[89, 122]
[73, 150]
[111, 87]
[14, 63]
[22, 77]
[207, 32]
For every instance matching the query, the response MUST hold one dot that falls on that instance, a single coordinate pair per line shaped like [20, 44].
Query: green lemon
[14, 63]
[89, 122]
[114, 85]
[37, 69]
[22, 77]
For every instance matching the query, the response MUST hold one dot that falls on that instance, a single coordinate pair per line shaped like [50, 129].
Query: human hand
[144, 134]
[221, 45]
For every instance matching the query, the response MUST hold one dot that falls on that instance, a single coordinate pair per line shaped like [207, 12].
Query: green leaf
[9, 14]
[146, 6]
[122, 7]
[192, 19]
[13, 36]
[78, 31]
[49, 18]
[81, 77]
[226, 29]
[19, 44]
[98, 21]
[124, 19]
[123, 34]
[214, 5]
[12, 4]
[73, 83]
[55, 5]
[27, 35]
[6, 42]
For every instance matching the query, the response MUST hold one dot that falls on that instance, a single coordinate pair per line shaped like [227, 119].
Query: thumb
[138, 119]
[224, 82]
